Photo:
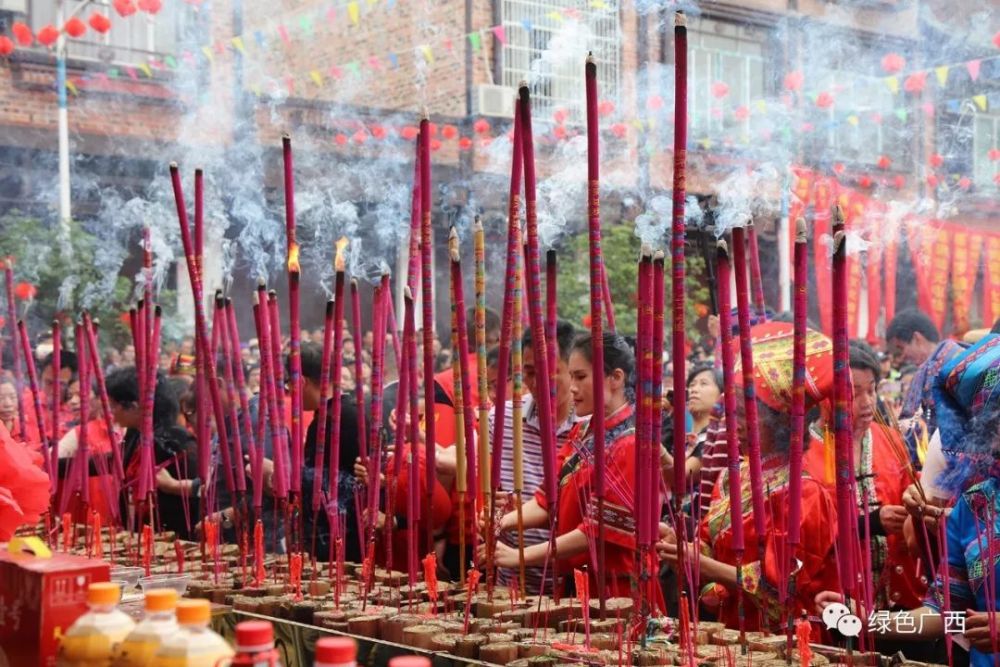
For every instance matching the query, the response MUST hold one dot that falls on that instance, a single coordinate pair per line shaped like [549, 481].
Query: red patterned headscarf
[772, 359]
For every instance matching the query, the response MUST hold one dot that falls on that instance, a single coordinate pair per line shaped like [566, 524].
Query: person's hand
[824, 599]
[166, 483]
[921, 510]
[361, 470]
[503, 555]
[267, 472]
[893, 517]
[977, 630]
[713, 326]
[669, 551]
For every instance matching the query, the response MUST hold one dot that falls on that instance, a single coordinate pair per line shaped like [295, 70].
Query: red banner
[874, 279]
[889, 265]
[966, 249]
[930, 248]
[991, 280]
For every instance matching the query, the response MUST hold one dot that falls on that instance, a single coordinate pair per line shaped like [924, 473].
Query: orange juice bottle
[159, 623]
[93, 638]
[194, 644]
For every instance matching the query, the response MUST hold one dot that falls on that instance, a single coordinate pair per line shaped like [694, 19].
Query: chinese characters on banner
[991, 279]
[966, 249]
[930, 248]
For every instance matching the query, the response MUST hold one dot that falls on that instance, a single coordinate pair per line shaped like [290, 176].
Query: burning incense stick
[244, 397]
[644, 338]
[239, 470]
[337, 365]
[412, 507]
[798, 409]
[427, 295]
[359, 387]
[461, 465]
[517, 389]
[321, 411]
[375, 464]
[843, 440]
[294, 323]
[656, 376]
[598, 288]
[756, 282]
[483, 456]
[749, 395]
[49, 447]
[269, 392]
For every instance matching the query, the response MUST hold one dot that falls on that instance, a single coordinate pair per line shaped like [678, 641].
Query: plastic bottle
[255, 645]
[194, 644]
[159, 623]
[336, 652]
[92, 639]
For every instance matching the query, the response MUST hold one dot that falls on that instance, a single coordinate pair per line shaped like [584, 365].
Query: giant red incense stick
[843, 439]
[232, 399]
[749, 395]
[294, 323]
[461, 467]
[798, 409]
[243, 395]
[48, 447]
[597, 291]
[412, 505]
[427, 295]
[90, 329]
[729, 379]
[322, 410]
[8, 273]
[656, 382]
[359, 385]
[269, 393]
[202, 418]
[281, 472]
[384, 302]
[483, 454]
[510, 288]
[756, 281]
[54, 402]
[83, 441]
[335, 406]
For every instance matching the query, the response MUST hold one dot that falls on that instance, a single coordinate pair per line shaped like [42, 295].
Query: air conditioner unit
[497, 101]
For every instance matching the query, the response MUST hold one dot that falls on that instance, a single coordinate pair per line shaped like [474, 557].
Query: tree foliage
[620, 249]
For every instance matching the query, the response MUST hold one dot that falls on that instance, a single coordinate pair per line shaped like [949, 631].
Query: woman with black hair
[174, 448]
[764, 576]
[577, 524]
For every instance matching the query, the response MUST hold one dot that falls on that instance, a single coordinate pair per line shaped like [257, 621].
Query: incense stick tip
[838, 214]
[680, 19]
[590, 58]
[157, 311]
[800, 230]
[173, 166]
[659, 255]
[477, 224]
[286, 138]
[453, 245]
[354, 283]
[646, 251]
[261, 284]
[407, 293]
[722, 247]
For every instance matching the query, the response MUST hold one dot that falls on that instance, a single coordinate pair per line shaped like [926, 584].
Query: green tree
[620, 249]
[66, 277]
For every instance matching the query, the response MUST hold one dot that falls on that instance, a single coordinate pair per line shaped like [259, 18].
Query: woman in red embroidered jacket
[763, 580]
[577, 525]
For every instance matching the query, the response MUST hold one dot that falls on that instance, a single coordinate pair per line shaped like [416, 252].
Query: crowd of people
[926, 435]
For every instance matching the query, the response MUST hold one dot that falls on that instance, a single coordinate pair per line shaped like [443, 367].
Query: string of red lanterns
[74, 28]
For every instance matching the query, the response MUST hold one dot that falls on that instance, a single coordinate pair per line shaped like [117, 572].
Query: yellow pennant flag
[71, 87]
[942, 74]
[145, 70]
[238, 44]
[208, 53]
[980, 101]
[893, 84]
[428, 54]
[256, 89]
[706, 144]
[598, 4]
[555, 16]
[316, 77]
[354, 12]
[853, 120]
[761, 106]
[637, 123]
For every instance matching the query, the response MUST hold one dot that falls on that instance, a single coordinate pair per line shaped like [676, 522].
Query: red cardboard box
[40, 597]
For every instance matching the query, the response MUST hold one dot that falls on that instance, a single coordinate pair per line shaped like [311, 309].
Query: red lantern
[719, 90]
[586, 321]
[996, 179]
[75, 28]
[559, 131]
[932, 181]
[409, 132]
[433, 129]
[898, 182]
[865, 181]
[435, 144]
[936, 160]
[838, 168]
[741, 112]
[915, 83]
[892, 63]
[965, 182]
[360, 137]
[378, 132]
[884, 162]
[151, 6]
[341, 139]
[25, 291]
[125, 8]
[876, 118]
[48, 35]
[99, 22]
[449, 131]
[6, 46]
[559, 116]
[22, 33]
[994, 154]
[794, 80]
[465, 143]
[125, 319]
[996, 39]
[606, 108]
[654, 103]
[824, 100]
[619, 130]
[481, 126]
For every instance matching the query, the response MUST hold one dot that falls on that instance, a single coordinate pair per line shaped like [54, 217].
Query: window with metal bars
[131, 40]
[547, 41]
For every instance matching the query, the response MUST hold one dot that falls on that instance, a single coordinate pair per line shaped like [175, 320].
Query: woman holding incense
[962, 601]
[772, 351]
[174, 448]
[883, 471]
[577, 523]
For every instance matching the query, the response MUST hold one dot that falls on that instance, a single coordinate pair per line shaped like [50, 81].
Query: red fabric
[99, 486]
[991, 279]
[889, 463]
[824, 194]
[773, 365]
[441, 508]
[818, 535]
[24, 488]
[966, 249]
